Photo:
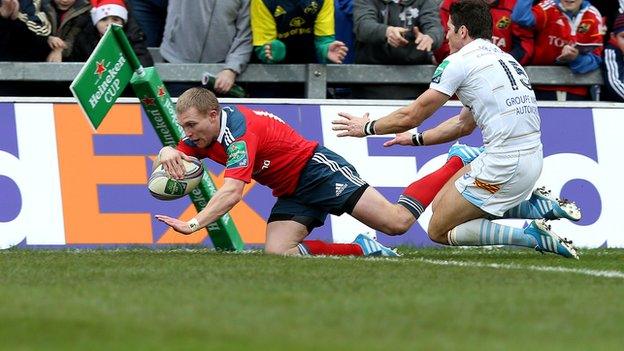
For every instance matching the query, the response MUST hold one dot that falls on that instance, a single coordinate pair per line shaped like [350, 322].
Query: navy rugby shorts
[328, 184]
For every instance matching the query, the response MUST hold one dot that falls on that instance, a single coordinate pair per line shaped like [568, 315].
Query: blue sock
[480, 232]
[533, 208]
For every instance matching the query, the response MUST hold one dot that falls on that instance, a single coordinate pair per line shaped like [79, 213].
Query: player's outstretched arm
[412, 115]
[400, 120]
[452, 129]
[230, 193]
[405, 139]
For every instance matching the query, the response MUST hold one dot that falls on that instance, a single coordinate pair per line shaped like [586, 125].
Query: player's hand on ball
[350, 125]
[400, 139]
[177, 225]
[171, 159]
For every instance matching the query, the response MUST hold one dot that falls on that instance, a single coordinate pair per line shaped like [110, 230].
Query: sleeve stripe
[613, 72]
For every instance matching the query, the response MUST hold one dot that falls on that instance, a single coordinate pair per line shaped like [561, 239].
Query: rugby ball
[163, 187]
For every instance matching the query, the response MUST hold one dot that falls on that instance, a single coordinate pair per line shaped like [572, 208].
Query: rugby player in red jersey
[303, 175]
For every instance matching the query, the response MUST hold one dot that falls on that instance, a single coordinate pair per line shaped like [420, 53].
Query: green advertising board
[102, 79]
[160, 111]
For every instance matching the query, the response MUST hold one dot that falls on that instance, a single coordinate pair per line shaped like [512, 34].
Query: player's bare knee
[403, 225]
[282, 250]
[396, 226]
[437, 234]
[275, 249]
[272, 250]
[434, 204]
[400, 223]
[395, 229]
[438, 238]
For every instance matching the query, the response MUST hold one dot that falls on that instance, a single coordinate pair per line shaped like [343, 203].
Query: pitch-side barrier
[315, 77]
[61, 184]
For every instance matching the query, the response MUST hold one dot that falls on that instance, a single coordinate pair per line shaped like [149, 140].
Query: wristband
[369, 128]
[417, 139]
[193, 224]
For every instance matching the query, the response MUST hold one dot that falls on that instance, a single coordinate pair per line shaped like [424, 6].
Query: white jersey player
[497, 94]
[498, 98]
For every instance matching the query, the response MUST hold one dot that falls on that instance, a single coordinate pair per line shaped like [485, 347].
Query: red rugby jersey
[553, 30]
[258, 145]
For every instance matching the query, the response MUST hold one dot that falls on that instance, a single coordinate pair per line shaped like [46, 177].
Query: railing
[316, 77]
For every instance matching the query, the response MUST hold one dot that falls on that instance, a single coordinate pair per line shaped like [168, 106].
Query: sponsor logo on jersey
[584, 27]
[297, 22]
[237, 155]
[491, 188]
[312, 8]
[503, 23]
[279, 11]
[437, 75]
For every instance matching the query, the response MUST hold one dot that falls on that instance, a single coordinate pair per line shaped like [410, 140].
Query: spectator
[610, 9]
[103, 14]
[295, 31]
[9, 9]
[343, 17]
[208, 31]
[613, 69]
[24, 30]
[507, 35]
[395, 32]
[68, 19]
[151, 15]
[567, 32]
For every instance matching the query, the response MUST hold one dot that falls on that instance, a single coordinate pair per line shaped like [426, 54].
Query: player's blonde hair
[202, 99]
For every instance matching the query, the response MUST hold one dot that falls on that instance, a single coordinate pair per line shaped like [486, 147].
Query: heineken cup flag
[102, 79]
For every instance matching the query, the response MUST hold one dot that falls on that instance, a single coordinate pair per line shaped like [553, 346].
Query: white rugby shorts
[500, 181]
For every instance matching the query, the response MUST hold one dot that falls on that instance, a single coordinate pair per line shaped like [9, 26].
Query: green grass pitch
[429, 299]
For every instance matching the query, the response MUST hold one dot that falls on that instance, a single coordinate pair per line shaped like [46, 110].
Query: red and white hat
[105, 8]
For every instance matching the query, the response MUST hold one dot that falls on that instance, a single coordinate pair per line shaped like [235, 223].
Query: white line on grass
[584, 271]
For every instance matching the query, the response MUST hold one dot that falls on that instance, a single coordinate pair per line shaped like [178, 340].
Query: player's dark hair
[202, 99]
[475, 16]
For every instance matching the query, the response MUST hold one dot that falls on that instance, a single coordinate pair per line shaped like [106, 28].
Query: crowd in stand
[584, 35]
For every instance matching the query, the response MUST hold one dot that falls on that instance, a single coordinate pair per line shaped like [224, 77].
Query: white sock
[480, 232]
